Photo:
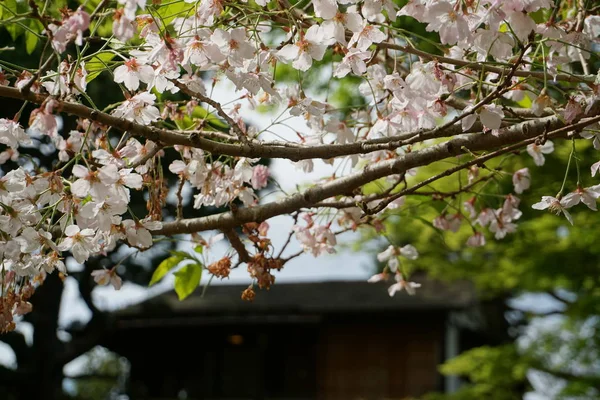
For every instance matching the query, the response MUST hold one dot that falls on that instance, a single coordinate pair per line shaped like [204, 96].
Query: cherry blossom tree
[505, 79]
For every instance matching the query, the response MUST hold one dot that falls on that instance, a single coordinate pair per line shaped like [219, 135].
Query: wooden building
[317, 340]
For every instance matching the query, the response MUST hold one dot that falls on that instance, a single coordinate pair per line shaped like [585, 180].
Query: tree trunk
[44, 372]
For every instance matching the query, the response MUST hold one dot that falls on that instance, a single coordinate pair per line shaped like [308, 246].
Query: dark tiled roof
[306, 298]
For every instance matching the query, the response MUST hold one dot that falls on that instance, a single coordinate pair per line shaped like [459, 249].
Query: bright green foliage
[97, 64]
[164, 267]
[496, 373]
[545, 255]
[187, 280]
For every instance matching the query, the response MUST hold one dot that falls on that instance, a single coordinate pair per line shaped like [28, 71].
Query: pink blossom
[501, 224]
[131, 73]
[72, 28]
[105, 276]
[123, 25]
[263, 228]
[43, 121]
[477, 240]
[521, 180]
[260, 175]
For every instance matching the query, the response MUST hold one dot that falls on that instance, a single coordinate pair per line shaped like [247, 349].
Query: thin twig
[27, 87]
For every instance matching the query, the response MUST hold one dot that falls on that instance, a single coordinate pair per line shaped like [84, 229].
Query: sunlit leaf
[97, 64]
[173, 10]
[164, 267]
[187, 280]
[31, 39]
[201, 114]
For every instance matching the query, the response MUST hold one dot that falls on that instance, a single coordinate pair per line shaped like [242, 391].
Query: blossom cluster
[499, 65]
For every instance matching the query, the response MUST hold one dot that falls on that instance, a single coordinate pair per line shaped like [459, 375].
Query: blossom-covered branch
[345, 82]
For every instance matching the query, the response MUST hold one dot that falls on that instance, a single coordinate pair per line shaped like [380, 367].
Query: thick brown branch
[237, 244]
[254, 149]
[516, 134]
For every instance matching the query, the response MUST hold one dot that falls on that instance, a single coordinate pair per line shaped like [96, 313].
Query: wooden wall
[374, 358]
[392, 360]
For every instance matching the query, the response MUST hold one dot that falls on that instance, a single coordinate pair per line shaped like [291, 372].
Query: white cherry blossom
[105, 276]
[401, 284]
[521, 180]
[353, 62]
[537, 152]
[587, 196]
[308, 47]
[367, 35]
[140, 108]
[80, 242]
[12, 134]
[131, 73]
[554, 205]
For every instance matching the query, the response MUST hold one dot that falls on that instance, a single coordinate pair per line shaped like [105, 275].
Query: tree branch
[237, 244]
[216, 105]
[521, 134]
[482, 66]
[254, 149]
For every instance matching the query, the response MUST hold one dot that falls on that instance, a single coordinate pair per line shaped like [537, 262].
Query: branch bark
[253, 149]
[460, 145]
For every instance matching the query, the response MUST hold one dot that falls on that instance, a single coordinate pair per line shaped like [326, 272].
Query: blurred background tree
[539, 287]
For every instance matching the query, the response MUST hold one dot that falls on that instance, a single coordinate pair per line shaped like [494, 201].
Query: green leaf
[187, 280]
[182, 254]
[173, 10]
[525, 102]
[31, 39]
[164, 267]
[10, 9]
[97, 64]
[199, 249]
[201, 114]
[6, 7]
